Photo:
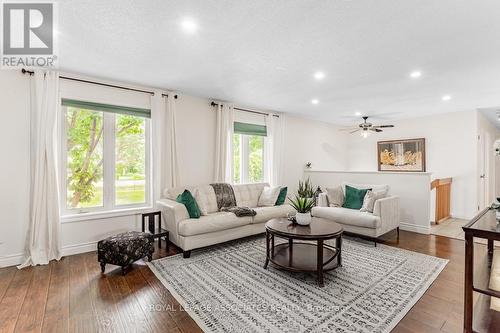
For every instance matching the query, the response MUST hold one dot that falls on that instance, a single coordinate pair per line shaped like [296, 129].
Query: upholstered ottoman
[125, 248]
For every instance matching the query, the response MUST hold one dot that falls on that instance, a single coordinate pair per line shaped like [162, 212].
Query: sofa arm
[322, 200]
[173, 212]
[388, 210]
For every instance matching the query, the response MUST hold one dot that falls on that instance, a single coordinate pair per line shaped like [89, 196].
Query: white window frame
[109, 155]
[244, 159]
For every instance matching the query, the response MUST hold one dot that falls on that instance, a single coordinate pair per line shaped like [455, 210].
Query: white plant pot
[303, 218]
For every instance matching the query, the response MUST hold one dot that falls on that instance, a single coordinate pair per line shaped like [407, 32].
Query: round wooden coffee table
[300, 256]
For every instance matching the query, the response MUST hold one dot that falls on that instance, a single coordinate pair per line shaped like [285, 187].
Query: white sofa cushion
[348, 216]
[264, 214]
[211, 223]
[206, 199]
[373, 187]
[269, 196]
[247, 195]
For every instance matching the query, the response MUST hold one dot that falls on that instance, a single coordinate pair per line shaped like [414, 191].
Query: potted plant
[305, 189]
[303, 207]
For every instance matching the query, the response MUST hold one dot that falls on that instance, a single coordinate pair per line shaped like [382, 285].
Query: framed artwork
[401, 155]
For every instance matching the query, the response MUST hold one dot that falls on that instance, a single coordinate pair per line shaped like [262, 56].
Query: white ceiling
[263, 54]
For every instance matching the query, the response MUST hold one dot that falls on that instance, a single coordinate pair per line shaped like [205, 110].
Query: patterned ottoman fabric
[125, 248]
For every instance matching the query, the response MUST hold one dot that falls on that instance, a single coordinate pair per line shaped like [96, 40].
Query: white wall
[311, 141]
[412, 189]
[451, 151]
[14, 166]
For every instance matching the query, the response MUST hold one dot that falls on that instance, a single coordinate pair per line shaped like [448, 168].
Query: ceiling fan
[365, 127]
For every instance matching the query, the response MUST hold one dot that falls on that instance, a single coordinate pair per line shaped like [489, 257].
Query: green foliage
[85, 153]
[255, 160]
[302, 204]
[255, 157]
[130, 147]
[305, 189]
[236, 158]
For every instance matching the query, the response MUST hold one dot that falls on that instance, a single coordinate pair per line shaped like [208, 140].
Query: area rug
[225, 289]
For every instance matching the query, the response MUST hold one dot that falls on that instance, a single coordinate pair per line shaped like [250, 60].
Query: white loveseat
[385, 216]
[216, 227]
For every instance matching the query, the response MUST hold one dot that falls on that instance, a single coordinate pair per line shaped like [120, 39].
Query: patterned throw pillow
[282, 196]
[186, 198]
[269, 196]
[369, 200]
[335, 196]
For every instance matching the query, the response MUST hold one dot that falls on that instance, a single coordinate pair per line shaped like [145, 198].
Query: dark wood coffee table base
[299, 256]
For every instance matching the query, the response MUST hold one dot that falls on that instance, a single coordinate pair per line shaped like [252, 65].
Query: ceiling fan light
[365, 134]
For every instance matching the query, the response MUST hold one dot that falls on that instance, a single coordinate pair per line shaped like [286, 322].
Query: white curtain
[273, 150]
[43, 242]
[223, 168]
[164, 143]
[172, 178]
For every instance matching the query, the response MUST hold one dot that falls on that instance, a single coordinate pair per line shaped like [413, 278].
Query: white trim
[105, 215]
[371, 172]
[68, 250]
[421, 229]
[11, 260]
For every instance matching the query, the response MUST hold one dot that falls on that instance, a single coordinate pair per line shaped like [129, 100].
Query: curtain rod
[24, 71]
[246, 110]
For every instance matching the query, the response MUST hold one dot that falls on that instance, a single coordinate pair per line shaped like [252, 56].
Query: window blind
[138, 112]
[250, 129]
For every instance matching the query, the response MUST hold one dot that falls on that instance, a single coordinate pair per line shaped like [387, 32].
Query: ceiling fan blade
[383, 126]
[375, 130]
[347, 129]
[355, 131]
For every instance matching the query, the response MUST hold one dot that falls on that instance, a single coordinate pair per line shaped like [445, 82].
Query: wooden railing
[443, 197]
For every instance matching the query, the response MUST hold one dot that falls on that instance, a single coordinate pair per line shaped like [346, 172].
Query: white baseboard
[415, 228]
[11, 260]
[68, 250]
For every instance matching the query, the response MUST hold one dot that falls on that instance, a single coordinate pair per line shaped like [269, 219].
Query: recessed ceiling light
[319, 75]
[357, 113]
[314, 101]
[446, 98]
[189, 26]
[415, 74]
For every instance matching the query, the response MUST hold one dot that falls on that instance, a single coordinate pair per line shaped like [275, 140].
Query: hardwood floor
[72, 296]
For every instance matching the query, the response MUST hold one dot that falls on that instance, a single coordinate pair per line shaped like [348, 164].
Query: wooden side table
[156, 231]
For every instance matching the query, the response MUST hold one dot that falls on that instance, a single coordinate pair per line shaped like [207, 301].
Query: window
[248, 153]
[105, 157]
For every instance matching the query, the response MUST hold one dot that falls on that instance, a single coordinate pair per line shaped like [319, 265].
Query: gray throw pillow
[335, 196]
[369, 200]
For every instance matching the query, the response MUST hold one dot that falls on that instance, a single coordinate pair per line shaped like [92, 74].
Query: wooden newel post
[443, 198]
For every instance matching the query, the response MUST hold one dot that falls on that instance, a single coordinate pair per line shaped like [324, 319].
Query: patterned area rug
[225, 289]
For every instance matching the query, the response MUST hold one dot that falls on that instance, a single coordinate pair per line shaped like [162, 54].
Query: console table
[480, 317]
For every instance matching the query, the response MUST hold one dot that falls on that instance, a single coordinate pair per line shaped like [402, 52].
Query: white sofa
[216, 227]
[385, 216]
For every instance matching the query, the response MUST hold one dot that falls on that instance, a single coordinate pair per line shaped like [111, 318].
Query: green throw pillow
[281, 197]
[186, 198]
[354, 197]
